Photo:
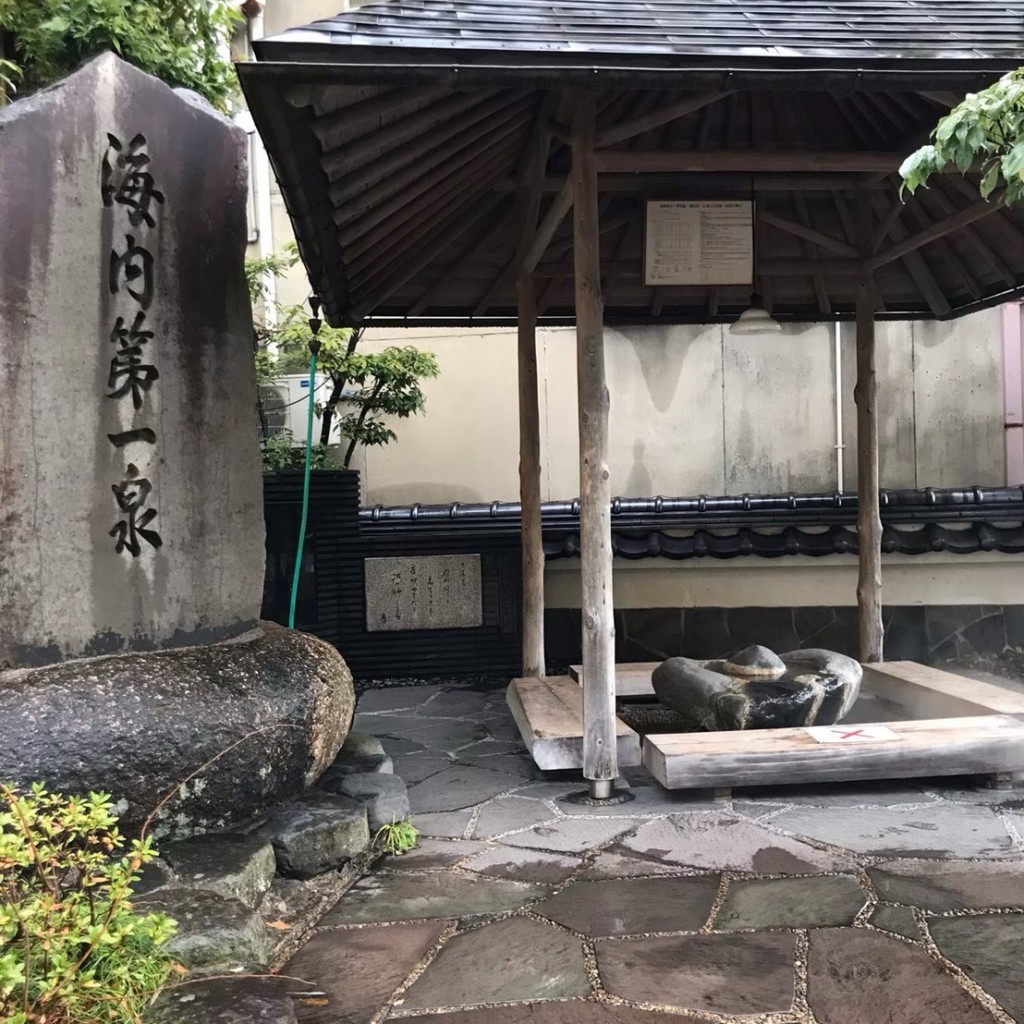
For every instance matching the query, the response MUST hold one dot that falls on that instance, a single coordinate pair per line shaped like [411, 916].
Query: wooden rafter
[656, 118]
[741, 161]
[807, 233]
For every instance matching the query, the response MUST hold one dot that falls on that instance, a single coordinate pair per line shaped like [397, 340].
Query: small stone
[735, 974]
[384, 796]
[359, 753]
[790, 903]
[950, 885]
[633, 906]
[898, 920]
[856, 976]
[516, 959]
[225, 1001]
[313, 838]
[237, 867]
[213, 933]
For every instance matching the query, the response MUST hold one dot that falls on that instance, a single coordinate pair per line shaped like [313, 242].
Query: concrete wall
[695, 410]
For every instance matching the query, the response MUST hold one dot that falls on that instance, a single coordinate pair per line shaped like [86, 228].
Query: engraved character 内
[135, 266]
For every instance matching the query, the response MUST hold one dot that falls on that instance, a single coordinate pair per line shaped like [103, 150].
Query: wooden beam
[809, 234]
[869, 520]
[719, 183]
[372, 111]
[811, 251]
[556, 213]
[994, 260]
[657, 118]
[599, 752]
[882, 232]
[968, 215]
[530, 482]
[745, 161]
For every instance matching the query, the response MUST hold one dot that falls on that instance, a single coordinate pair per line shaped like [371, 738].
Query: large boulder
[758, 689]
[269, 713]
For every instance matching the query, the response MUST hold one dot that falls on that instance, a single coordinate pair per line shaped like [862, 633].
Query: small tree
[987, 127]
[378, 385]
[179, 41]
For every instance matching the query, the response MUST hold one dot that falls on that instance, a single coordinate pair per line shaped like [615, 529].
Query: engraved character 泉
[131, 494]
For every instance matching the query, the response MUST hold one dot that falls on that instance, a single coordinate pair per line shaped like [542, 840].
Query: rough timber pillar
[529, 482]
[599, 753]
[869, 521]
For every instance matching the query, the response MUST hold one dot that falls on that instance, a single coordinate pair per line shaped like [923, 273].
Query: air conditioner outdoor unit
[285, 406]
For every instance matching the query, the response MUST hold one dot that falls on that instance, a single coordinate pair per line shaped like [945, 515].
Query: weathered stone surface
[866, 793]
[213, 933]
[458, 787]
[516, 959]
[860, 977]
[934, 831]
[132, 724]
[568, 1012]
[408, 897]
[310, 839]
[439, 734]
[225, 1001]
[721, 841]
[618, 862]
[385, 797]
[444, 824]
[358, 970]
[413, 768]
[359, 753]
[155, 875]
[432, 855]
[68, 592]
[741, 974]
[988, 950]
[524, 865]
[757, 689]
[633, 906]
[520, 766]
[572, 835]
[396, 698]
[898, 920]
[950, 885]
[237, 867]
[790, 903]
[509, 813]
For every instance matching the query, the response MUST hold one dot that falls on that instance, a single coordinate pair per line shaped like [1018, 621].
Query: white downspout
[840, 447]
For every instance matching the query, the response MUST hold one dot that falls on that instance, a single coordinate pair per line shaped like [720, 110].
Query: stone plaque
[423, 592]
[130, 489]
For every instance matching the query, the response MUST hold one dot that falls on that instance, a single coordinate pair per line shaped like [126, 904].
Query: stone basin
[758, 689]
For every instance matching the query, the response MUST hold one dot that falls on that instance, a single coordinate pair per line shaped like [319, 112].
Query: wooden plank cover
[946, 692]
[549, 713]
[631, 680]
[948, 746]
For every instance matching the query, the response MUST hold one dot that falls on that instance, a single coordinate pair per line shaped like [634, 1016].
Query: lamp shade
[755, 320]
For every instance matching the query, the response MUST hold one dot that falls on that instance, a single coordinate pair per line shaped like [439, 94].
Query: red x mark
[851, 732]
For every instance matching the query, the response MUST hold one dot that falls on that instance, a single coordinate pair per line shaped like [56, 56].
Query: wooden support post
[869, 520]
[599, 754]
[529, 483]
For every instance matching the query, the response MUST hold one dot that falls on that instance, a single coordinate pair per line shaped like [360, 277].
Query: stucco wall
[695, 410]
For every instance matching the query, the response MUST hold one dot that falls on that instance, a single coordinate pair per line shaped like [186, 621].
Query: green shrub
[397, 837]
[280, 452]
[71, 949]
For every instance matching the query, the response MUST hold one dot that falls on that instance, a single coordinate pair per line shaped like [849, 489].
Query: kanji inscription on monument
[423, 592]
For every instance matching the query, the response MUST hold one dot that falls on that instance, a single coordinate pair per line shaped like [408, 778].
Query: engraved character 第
[133, 268]
[128, 373]
[127, 181]
[131, 495]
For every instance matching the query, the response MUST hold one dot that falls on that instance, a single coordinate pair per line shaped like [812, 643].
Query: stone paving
[874, 903]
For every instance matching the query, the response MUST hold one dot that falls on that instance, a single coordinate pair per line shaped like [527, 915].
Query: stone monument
[131, 513]
[758, 689]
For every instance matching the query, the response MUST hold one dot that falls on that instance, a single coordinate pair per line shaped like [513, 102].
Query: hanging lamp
[755, 319]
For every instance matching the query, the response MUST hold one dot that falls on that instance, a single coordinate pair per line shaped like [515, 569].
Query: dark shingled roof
[841, 29]
[399, 134]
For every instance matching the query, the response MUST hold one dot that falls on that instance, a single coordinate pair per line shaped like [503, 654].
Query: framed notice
[708, 242]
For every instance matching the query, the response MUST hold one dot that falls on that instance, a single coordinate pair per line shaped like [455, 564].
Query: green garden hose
[305, 486]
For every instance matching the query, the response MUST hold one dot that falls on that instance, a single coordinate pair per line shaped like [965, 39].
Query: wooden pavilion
[430, 153]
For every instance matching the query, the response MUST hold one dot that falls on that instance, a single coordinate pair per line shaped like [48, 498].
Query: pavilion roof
[400, 134]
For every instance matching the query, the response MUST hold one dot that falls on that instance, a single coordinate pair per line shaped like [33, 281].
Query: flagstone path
[861, 904]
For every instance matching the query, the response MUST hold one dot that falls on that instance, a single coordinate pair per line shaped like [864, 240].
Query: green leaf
[990, 179]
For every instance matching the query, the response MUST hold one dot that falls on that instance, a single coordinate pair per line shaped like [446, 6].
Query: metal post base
[601, 793]
[602, 789]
